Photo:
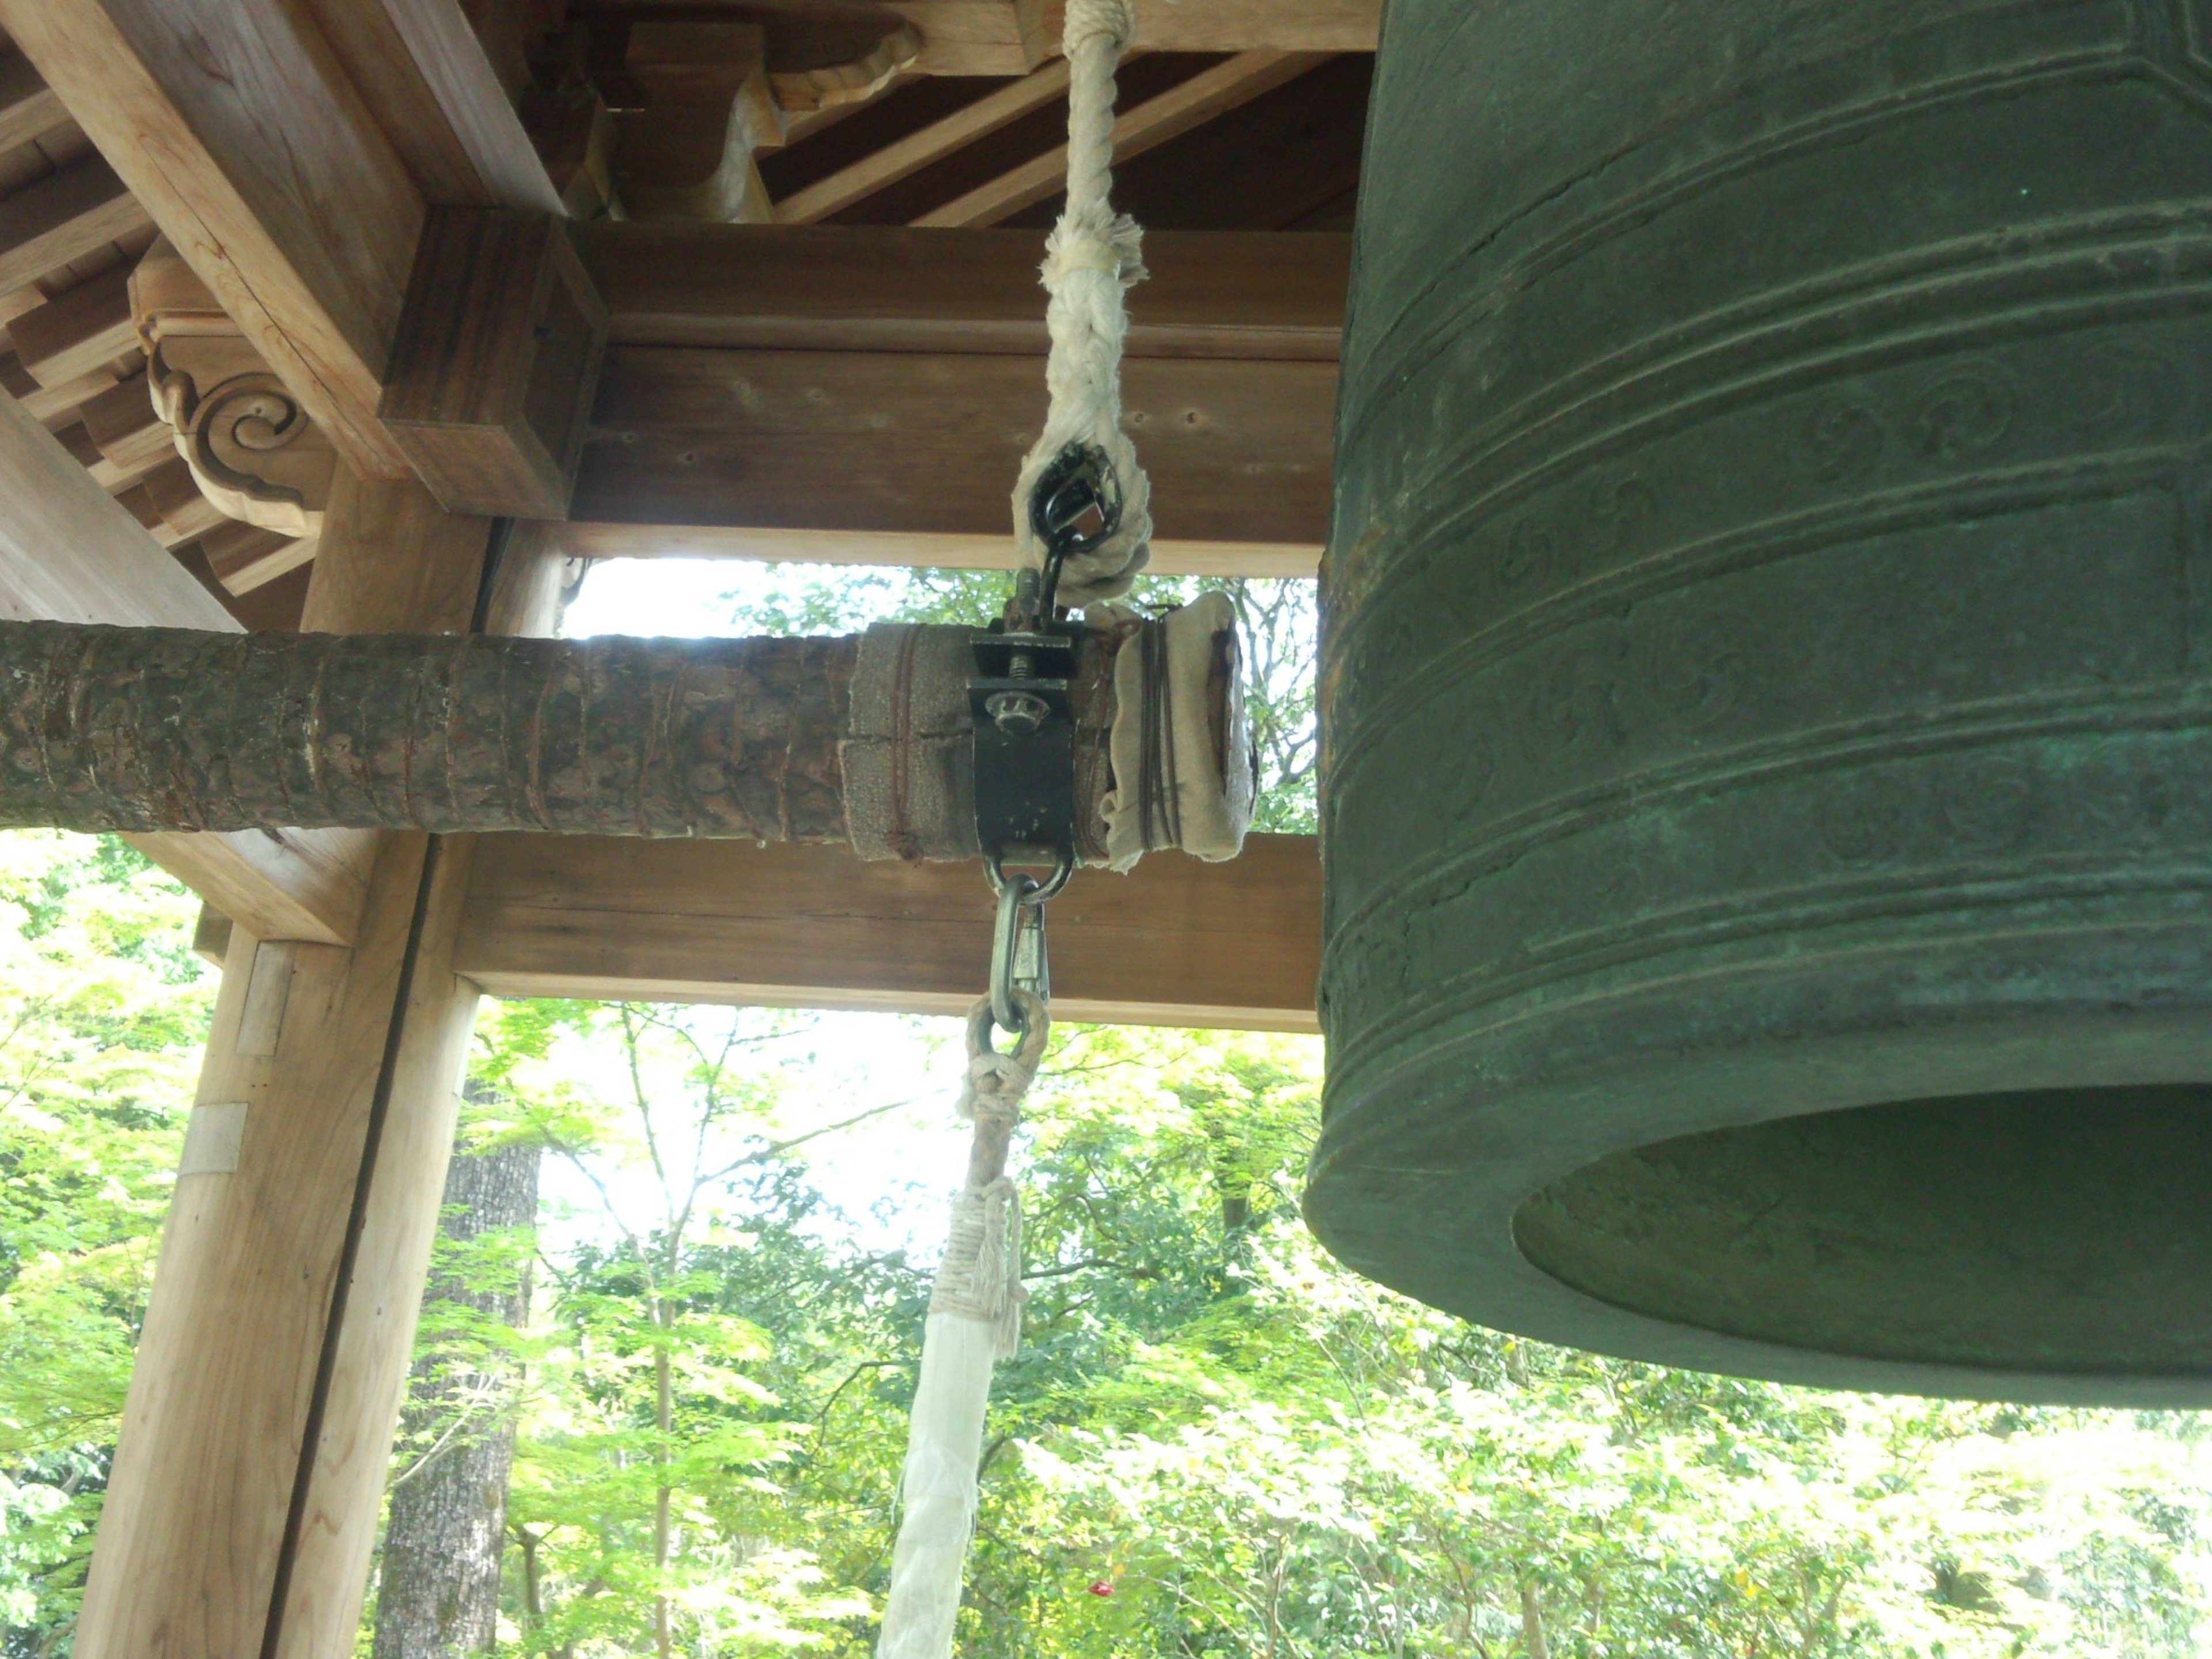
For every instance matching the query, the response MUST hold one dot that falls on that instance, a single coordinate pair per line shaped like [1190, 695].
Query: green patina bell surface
[1768, 781]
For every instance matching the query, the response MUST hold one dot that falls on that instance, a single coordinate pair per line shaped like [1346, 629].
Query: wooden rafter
[84, 329]
[905, 156]
[28, 106]
[1191, 104]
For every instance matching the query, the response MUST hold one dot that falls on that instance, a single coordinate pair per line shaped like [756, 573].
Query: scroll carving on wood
[255, 454]
[856, 80]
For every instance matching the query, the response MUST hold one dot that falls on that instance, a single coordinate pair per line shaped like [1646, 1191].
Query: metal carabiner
[1019, 933]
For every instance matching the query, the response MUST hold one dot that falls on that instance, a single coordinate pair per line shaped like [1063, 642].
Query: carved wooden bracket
[854, 81]
[711, 95]
[256, 455]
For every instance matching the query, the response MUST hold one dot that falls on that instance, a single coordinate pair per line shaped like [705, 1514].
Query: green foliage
[102, 1009]
[1248, 1450]
[651, 1435]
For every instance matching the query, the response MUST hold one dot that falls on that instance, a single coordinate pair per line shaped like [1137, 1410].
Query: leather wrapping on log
[146, 729]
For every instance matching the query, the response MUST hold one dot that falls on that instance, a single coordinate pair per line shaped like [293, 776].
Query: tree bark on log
[438, 1590]
[136, 729]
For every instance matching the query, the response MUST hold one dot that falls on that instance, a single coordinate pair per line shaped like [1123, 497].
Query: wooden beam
[244, 556]
[29, 107]
[70, 552]
[86, 329]
[883, 547]
[864, 395]
[1189, 103]
[1012, 37]
[129, 432]
[908, 155]
[831, 288]
[243, 1503]
[435, 90]
[905, 442]
[1176, 942]
[64, 216]
[1238, 25]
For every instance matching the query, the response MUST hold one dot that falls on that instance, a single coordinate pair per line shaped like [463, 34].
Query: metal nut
[1018, 714]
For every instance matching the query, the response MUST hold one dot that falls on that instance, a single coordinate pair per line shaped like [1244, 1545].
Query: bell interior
[2061, 1230]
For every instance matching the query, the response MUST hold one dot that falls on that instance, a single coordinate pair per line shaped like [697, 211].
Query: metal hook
[1081, 482]
[1019, 933]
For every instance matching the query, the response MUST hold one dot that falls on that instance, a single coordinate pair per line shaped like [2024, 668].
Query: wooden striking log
[145, 729]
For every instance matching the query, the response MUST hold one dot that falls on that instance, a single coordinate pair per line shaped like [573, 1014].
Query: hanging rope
[1093, 257]
[975, 1321]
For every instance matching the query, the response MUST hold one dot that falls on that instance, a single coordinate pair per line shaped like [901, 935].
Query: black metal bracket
[1023, 716]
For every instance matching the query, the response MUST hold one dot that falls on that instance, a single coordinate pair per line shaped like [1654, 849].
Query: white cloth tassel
[937, 1494]
[975, 1321]
[1091, 259]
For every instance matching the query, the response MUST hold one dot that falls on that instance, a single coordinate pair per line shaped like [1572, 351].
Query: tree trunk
[664, 1417]
[438, 1593]
[1532, 1624]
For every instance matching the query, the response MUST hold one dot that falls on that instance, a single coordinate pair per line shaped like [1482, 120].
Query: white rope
[975, 1321]
[1091, 258]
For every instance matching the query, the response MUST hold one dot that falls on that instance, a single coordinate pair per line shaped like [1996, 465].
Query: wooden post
[243, 1504]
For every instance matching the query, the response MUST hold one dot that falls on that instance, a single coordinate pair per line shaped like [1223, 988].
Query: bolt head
[1018, 714]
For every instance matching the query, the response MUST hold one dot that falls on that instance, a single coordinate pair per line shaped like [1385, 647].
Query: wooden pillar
[243, 1504]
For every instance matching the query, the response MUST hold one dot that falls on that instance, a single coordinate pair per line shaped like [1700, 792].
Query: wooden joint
[496, 362]
[708, 110]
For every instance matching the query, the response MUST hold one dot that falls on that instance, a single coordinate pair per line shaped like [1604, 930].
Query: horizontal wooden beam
[1176, 942]
[877, 547]
[1005, 37]
[833, 288]
[866, 395]
[70, 552]
[923, 443]
[28, 106]
[86, 329]
[1242, 25]
[65, 216]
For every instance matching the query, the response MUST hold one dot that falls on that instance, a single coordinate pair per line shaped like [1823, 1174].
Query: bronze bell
[1768, 783]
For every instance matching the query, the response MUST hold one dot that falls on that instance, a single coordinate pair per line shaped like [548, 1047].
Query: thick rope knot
[994, 1087]
[981, 1277]
[1073, 252]
[1091, 259]
[1089, 23]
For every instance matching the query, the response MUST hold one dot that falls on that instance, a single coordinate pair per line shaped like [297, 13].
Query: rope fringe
[975, 1321]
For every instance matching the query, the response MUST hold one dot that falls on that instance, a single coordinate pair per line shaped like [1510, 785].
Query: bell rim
[1364, 1176]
